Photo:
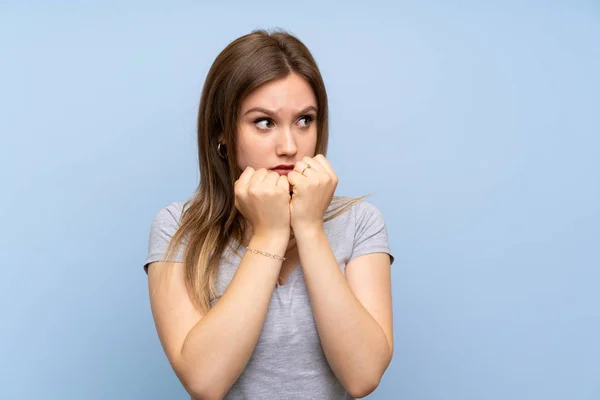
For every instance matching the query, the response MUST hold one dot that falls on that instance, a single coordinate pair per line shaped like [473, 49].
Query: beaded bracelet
[264, 253]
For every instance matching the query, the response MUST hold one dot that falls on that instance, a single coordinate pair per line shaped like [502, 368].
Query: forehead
[292, 92]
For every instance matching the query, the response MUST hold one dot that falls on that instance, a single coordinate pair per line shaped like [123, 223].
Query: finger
[295, 178]
[324, 164]
[258, 176]
[283, 183]
[298, 167]
[314, 164]
[244, 179]
[302, 168]
[271, 179]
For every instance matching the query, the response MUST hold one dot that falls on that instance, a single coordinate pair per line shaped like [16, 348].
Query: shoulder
[370, 231]
[170, 213]
[367, 217]
[166, 222]
[359, 212]
[164, 225]
[362, 217]
[364, 208]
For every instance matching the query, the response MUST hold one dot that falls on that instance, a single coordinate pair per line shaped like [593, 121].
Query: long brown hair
[210, 219]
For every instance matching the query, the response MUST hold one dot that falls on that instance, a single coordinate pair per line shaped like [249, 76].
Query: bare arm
[353, 313]
[209, 352]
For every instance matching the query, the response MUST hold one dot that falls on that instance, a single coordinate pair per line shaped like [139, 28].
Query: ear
[221, 137]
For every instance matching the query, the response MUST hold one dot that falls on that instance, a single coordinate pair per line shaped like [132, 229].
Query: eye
[263, 123]
[307, 120]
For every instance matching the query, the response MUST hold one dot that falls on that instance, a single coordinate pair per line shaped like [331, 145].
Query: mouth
[283, 169]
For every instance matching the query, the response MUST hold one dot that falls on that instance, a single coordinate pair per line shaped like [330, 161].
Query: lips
[283, 169]
[284, 166]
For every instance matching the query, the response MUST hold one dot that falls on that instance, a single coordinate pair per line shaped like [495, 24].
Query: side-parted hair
[210, 219]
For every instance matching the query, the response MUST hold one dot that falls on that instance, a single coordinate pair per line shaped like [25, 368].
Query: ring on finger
[305, 168]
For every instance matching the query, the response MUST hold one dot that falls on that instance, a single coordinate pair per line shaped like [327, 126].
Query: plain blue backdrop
[475, 124]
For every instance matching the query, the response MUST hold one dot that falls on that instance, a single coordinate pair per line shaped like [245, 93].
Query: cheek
[250, 153]
[308, 144]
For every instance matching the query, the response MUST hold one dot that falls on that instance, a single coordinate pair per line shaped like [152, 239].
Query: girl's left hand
[312, 191]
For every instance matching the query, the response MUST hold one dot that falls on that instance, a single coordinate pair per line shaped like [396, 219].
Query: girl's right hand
[263, 198]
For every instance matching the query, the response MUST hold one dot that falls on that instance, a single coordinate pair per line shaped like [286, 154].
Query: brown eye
[263, 123]
[307, 120]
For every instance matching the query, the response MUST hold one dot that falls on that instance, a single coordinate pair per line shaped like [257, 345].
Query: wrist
[308, 229]
[274, 241]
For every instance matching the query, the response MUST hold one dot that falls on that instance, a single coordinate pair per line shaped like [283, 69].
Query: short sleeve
[164, 226]
[370, 234]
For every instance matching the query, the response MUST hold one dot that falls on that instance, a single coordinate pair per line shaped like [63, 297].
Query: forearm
[218, 347]
[353, 342]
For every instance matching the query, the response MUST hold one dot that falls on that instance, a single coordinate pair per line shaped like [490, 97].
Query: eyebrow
[272, 113]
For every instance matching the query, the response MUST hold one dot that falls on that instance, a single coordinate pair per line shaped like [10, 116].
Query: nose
[286, 143]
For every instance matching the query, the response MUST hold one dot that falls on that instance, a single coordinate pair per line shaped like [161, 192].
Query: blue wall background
[475, 124]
